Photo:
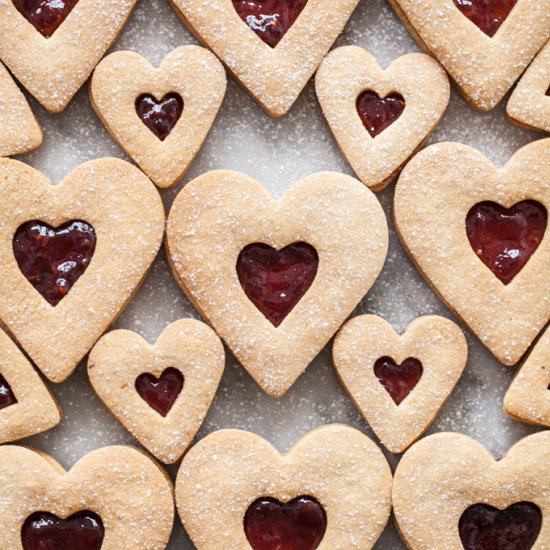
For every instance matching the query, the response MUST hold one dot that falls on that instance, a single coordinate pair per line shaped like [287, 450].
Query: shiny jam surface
[377, 113]
[399, 380]
[269, 19]
[505, 238]
[45, 15]
[276, 280]
[159, 116]
[488, 15]
[160, 393]
[7, 397]
[299, 524]
[484, 527]
[53, 259]
[44, 531]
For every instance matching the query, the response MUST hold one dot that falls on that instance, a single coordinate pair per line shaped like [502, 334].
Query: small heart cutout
[7, 397]
[398, 380]
[160, 116]
[160, 393]
[377, 113]
[45, 15]
[488, 15]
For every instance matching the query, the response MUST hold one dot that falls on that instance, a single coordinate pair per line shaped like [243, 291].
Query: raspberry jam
[398, 380]
[53, 259]
[45, 15]
[505, 238]
[269, 19]
[160, 393]
[44, 531]
[488, 15]
[296, 525]
[484, 527]
[159, 116]
[6, 395]
[276, 280]
[377, 113]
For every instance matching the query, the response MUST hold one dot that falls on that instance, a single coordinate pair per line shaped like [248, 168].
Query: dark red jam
[160, 393]
[7, 397]
[488, 15]
[399, 380]
[45, 15]
[377, 113]
[160, 116]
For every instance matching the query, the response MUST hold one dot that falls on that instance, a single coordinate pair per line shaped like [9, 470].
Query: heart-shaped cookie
[160, 116]
[479, 235]
[98, 230]
[244, 35]
[376, 134]
[276, 278]
[529, 104]
[449, 492]
[113, 498]
[161, 393]
[458, 33]
[399, 382]
[52, 47]
[332, 489]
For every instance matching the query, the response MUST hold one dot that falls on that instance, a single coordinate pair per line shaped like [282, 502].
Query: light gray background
[277, 153]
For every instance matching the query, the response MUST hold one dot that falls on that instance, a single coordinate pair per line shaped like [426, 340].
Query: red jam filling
[548, 91]
[377, 113]
[505, 238]
[269, 19]
[160, 393]
[44, 531]
[6, 395]
[45, 15]
[484, 527]
[159, 116]
[296, 525]
[398, 380]
[276, 280]
[53, 259]
[488, 15]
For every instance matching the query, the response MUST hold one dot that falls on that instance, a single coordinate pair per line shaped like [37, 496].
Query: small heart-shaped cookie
[276, 278]
[113, 498]
[484, 47]
[160, 116]
[479, 235]
[161, 393]
[376, 138]
[449, 492]
[399, 382]
[332, 489]
[245, 36]
[52, 48]
[98, 230]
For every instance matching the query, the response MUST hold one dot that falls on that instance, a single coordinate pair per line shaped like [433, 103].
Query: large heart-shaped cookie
[99, 230]
[180, 100]
[121, 498]
[161, 393]
[232, 478]
[449, 492]
[276, 278]
[380, 117]
[456, 32]
[54, 67]
[478, 234]
[399, 383]
[273, 75]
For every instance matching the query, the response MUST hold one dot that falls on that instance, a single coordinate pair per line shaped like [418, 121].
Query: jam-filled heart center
[505, 238]
[45, 531]
[299, 524]
[276, 280]
[53, 259]
[398, 380]
[484, 527]
[488, 15]
[160, 116]
[45, 15]
[160, 393]
[269, 19]
[377, 113]
[7, 397]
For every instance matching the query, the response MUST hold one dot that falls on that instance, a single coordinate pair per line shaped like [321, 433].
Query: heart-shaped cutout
[44, 15]
[488, 15]
[159, 116]
[377, 113]
[160, 393]
[398, 380]
[7, 397]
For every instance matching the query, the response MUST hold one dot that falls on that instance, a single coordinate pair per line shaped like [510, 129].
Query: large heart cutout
[44, 15]
[487, 15]
[7, 397]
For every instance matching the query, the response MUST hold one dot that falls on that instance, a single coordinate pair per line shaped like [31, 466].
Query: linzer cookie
[272, 48]
[72, 254]
[449, 492]
[331, 491]
[160, 116]
[276, 278]
[479, 235]
[380, 117]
